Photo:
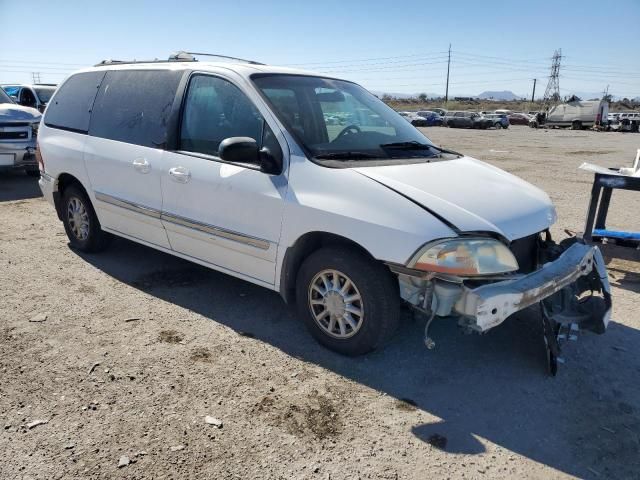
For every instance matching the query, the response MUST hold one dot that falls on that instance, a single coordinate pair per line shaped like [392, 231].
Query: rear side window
[134, 106]
[71, 106]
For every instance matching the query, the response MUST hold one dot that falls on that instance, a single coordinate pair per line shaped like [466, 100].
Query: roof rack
[191, 56]
[180, 56]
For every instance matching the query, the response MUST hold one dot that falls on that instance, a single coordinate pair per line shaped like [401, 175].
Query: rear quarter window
[134, 106]
[72, 103]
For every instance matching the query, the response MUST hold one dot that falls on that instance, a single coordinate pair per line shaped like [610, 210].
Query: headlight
[465, 257]
[34, 129]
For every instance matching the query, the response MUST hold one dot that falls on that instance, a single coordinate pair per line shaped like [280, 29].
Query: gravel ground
[122, 355]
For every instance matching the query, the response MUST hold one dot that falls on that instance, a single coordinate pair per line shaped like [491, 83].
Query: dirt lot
[138, 347]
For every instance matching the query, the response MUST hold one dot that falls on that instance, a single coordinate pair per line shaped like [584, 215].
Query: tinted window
[134, 106]
[214, 110]
[44, 93]
[71, 106]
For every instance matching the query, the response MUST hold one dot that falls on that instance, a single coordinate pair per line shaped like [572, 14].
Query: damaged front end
[568, 281]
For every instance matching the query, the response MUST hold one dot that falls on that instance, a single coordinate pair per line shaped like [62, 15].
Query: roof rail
[190, 56]
[180, 56]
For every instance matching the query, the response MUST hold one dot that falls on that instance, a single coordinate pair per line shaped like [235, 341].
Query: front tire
[349, 302]
[81, 223]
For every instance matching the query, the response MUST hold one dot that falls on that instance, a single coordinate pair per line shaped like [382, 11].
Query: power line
[366, 59]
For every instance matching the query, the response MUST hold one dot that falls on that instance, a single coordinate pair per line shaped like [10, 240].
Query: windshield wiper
[346, 156]
[412, 145]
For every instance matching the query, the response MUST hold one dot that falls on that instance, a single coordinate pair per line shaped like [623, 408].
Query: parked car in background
[518, 119]
[433, 119]
[414, 119]
[467, 120]
[500, 120]
[503, 111]
[18, 132]
[440, 111]
[345, 222]
[34, 96]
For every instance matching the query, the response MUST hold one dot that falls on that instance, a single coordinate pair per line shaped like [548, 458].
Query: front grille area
[14, 124]
[525, 250]
[19, 135]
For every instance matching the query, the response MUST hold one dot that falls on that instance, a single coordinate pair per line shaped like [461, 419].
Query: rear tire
[349, 302]
[81, 223]
[576, 125]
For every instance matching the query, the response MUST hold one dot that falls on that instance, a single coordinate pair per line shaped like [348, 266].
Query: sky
[394, 47]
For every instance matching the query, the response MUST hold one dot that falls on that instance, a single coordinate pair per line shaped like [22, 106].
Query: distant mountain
[499, 95]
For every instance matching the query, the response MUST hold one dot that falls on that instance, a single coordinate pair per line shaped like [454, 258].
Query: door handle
[180, 174]
[141, 165]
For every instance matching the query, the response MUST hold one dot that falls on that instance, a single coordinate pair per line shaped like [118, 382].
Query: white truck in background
[578, 114]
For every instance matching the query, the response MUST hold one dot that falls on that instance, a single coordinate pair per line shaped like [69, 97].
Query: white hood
[471, 195]
[10, 112]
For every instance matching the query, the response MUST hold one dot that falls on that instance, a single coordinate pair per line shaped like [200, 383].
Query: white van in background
[578, 114]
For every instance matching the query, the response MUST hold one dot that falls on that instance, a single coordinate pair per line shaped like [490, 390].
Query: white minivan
[234, 166]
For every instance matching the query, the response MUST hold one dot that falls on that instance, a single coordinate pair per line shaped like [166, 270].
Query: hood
[471, 195]
[17, 113]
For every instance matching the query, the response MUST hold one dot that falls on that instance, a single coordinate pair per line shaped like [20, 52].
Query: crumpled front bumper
[489, 305]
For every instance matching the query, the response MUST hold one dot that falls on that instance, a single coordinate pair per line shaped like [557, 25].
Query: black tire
[32, 172]
[576, 125]
[378, 290]
[95, 240]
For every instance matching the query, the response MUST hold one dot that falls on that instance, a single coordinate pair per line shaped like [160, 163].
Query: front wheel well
[301, 249]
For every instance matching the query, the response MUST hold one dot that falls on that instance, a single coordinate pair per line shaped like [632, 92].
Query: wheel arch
[301, 249]
[63, 182]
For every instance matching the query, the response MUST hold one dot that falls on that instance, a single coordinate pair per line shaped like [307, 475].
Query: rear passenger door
[123, 152]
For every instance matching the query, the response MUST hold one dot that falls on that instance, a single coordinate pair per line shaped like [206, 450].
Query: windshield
[339, 120]
[44, 93]
[4, 98]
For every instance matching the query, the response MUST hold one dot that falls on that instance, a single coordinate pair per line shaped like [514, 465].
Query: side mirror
[245, 150]
[239, 150]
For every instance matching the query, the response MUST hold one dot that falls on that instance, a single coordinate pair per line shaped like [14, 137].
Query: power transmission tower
[36, 77]
[552, 93]
[446, 95]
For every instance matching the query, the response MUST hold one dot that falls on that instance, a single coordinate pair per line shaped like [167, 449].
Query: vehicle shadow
[482, 388]
[18, 186]
[623, 264]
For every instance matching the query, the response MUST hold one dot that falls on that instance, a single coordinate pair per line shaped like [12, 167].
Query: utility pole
[533, 95]
[446, 95]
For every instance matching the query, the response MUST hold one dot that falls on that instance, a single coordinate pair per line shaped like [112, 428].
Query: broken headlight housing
[465, 257]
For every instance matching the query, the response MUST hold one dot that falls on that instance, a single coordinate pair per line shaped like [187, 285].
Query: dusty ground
[138, 347]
